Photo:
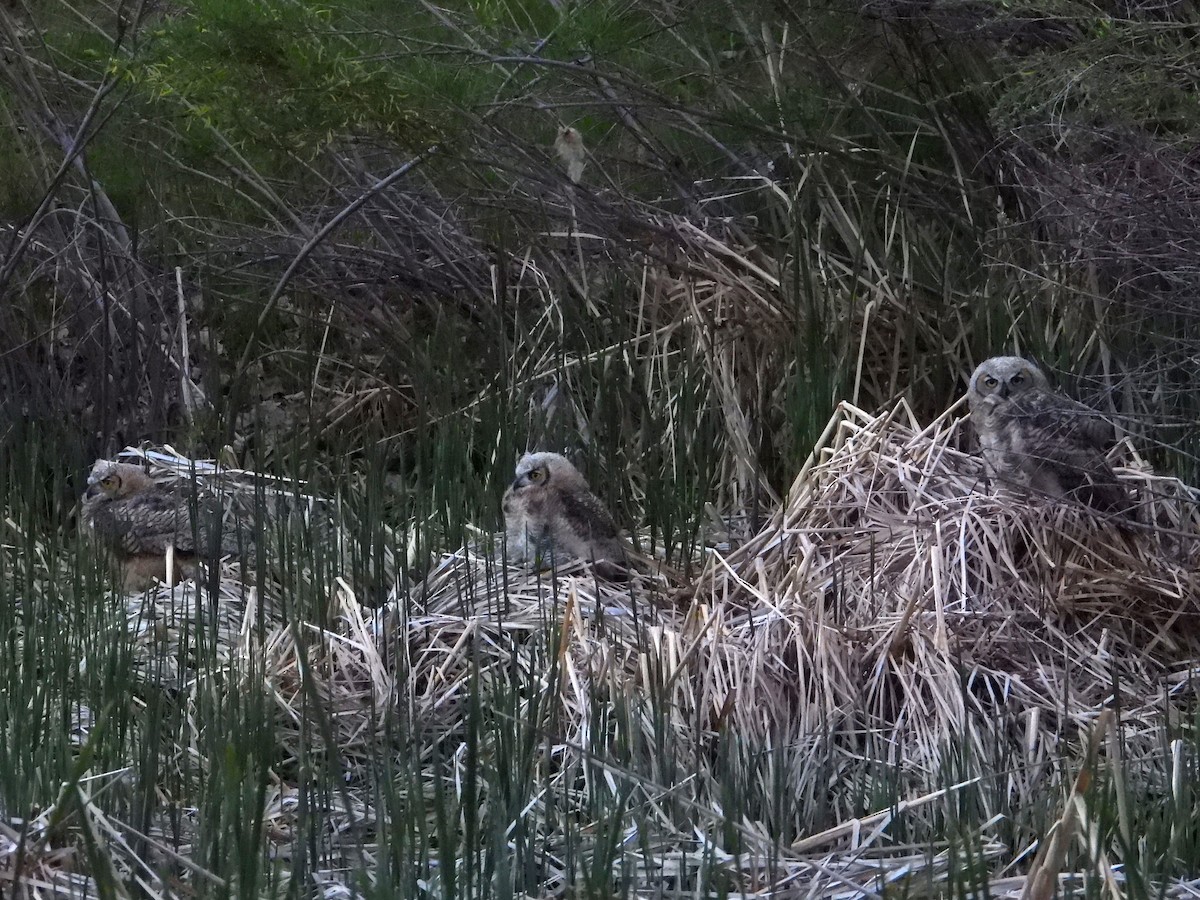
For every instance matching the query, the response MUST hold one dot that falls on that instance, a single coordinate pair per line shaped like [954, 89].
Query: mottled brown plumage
[1038, 440]
[138, 521]
[550, 515]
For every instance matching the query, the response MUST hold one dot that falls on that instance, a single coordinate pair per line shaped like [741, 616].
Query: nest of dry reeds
[896, 621]
[904, 612]
[895, 615]
[229, 607]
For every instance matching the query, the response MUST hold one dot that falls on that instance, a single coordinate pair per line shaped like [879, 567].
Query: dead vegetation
[896, 645]
[893, 621]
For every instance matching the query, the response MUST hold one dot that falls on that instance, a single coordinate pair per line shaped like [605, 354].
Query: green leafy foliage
[1103, 68]
[276, 77]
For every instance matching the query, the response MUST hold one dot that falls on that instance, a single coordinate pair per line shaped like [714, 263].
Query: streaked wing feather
[1065, 438]
[149, 523]
[586, 515]
[1065, 418]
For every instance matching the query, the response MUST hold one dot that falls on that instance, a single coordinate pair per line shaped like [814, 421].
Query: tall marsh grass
[357, 271]
[492, 732]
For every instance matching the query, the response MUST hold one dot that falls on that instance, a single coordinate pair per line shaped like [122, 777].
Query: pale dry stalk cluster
[892, 615]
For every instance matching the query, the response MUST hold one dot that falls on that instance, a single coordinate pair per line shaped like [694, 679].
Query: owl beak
[1004, 391]
[91, 491]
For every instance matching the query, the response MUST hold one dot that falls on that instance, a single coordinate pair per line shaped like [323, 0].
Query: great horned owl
[571, 153]
[137, 520]
[551, 515]
[1035, 438]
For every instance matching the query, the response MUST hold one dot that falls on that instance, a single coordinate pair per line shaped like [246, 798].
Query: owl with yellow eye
[142, 523]
[551, 515]
[1036, 439]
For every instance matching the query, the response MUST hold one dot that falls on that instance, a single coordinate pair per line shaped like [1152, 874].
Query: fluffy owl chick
[1035, 438]
[569, 147]
[550, 515]
[137, 520]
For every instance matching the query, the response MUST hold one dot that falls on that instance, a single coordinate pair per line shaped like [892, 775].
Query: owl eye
[536, 475]
[108, 481]
[991, 381]
[1018, 378]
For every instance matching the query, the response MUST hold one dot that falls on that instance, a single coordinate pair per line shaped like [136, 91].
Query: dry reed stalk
[920, 612]
[892, 613]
